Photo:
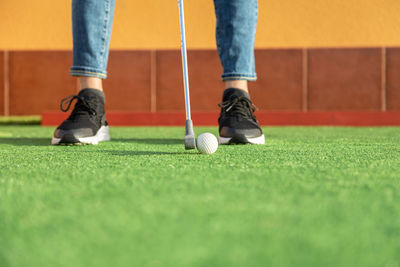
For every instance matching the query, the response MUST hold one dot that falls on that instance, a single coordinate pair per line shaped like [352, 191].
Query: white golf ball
[207, 143]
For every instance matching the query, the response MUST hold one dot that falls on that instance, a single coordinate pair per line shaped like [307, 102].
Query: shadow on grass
[145, 153]
[25, 141]
[151, 141]
[40, 141]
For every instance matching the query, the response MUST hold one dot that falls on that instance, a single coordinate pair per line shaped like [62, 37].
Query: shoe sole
[241, 139]
[103, 134]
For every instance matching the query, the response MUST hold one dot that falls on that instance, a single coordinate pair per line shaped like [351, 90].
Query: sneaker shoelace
[239, 107]
[83, 107]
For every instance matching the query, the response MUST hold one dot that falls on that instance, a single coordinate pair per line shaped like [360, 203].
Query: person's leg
[89, 82]
[92, 24]
[235, 34]
[239, 84]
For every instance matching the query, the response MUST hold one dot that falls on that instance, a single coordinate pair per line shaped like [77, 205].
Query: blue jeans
[235, 33]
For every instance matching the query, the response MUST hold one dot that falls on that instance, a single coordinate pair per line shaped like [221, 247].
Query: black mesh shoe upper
[86, 118]
[237, 115]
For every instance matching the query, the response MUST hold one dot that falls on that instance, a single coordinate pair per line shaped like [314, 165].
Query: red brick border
[299, 80]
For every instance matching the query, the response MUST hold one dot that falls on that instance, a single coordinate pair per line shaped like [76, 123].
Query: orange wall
[45, 24]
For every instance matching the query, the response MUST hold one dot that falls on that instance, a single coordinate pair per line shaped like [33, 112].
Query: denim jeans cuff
[238, 76]
[89, 72]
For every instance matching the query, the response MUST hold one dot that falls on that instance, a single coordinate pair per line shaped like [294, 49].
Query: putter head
[190, 138]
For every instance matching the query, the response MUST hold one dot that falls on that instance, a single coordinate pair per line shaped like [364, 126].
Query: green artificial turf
[20, 120]
[309, 197]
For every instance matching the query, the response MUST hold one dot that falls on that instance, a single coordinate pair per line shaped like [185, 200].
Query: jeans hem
[238, 76]
[89, 72]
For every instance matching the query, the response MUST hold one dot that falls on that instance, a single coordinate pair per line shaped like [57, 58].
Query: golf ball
[207, 143]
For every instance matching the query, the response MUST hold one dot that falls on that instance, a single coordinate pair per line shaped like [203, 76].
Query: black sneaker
[237, 123]
[87, 123]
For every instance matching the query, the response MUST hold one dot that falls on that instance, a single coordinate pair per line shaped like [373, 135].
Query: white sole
[102, 135]
[260, 140]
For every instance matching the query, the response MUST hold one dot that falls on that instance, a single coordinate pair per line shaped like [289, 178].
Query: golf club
[190, 139]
